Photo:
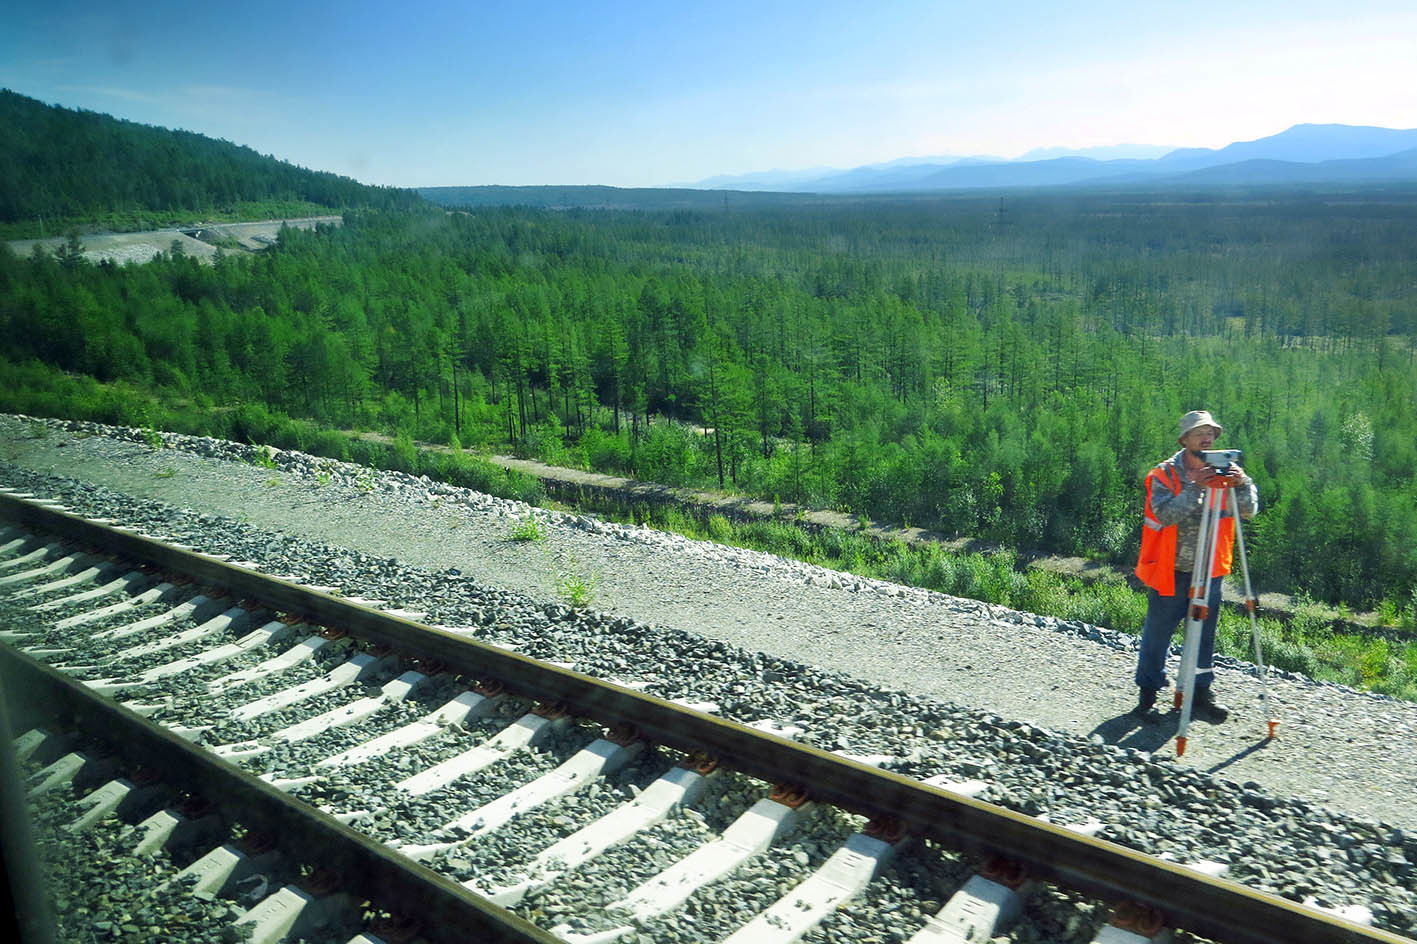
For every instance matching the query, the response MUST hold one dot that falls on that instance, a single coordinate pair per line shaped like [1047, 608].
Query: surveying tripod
[1218, 492]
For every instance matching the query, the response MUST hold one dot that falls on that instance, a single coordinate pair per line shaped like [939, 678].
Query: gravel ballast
[1034, 706]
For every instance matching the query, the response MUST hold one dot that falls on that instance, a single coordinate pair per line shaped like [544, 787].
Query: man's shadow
[1131, 730]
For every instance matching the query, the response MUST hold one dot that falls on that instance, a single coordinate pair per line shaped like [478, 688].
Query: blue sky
[645, 94]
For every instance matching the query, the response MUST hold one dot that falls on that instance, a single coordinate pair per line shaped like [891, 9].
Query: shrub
[365, 452]
[252, 423]
[1002, 579]
[606, 452]
[330, 444]
[1122, 608]
[720, 529]
[1292, 656]
[527, 488]
[939, 570]
[402, 456]
[1044, 592]
[671, 518]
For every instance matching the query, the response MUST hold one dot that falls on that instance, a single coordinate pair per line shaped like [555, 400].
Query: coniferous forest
[1007, 369]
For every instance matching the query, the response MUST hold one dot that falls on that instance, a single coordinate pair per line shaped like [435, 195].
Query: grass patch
[529, 529]
[576, 587]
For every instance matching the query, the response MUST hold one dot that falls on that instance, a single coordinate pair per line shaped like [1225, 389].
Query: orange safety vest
[1156, 566]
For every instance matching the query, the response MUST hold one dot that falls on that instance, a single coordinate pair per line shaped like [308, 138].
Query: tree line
[1007, 371]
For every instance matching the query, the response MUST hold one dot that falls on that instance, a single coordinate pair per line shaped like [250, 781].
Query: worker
[1175, 497]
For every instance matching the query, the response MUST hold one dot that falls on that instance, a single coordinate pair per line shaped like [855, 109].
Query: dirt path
[198, 240]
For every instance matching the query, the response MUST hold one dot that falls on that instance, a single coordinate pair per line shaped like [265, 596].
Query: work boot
[1207, 708]
[1146, 705]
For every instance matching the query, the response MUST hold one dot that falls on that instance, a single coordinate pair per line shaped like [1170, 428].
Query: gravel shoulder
[1351, 752]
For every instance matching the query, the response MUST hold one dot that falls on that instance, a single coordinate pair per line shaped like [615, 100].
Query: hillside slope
[61, 165]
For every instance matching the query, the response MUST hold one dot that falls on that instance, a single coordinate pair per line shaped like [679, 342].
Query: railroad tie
[527, 731]
[302, 651]
[750, 834]
[126, 583]
[601, 757]
[462, 708]
[671, 790]
[163, 593]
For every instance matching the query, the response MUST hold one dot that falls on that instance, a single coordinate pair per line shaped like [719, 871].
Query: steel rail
[1215, 908]
[446, 912]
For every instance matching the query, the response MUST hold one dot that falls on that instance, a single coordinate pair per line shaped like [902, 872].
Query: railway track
[246, 672]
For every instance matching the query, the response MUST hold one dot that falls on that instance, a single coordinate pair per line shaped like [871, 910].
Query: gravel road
[1351, 752]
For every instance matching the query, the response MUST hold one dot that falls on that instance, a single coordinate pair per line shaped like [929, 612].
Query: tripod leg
[1196, 611]
[1186, 673]
[1250, 604]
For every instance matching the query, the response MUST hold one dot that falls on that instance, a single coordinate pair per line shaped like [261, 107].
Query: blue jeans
[1163, 615]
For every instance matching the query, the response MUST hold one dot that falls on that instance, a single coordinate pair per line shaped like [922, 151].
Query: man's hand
[1209, 476]
[1205, 476]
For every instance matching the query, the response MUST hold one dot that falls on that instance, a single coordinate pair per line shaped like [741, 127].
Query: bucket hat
[1197, 418]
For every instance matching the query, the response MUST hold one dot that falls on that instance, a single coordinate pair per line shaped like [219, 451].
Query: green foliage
[681, 520]
[575, 587]
[529, 529]
[402, 455]
[606, 451]
[477, 473]
[153, 438]
[720, 529]
[329, 443]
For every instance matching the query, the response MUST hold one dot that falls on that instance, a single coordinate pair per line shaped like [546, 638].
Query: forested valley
[1005, 369]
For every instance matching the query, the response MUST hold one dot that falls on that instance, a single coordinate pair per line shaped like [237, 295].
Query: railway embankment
[1338, 748]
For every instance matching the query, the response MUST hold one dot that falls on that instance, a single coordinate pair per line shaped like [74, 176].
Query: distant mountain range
[1304, 154]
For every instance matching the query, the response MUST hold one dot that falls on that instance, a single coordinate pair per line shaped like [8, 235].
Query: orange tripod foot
[1180, 746]
[1176, 698]
[1273, 723]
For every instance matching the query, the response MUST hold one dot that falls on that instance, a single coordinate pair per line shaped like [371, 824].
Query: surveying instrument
[1218, 492]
